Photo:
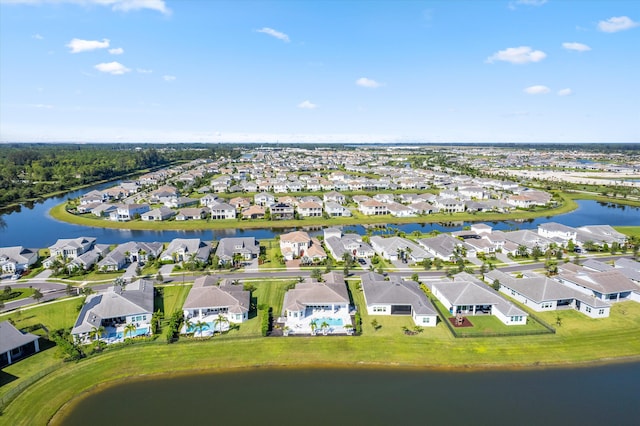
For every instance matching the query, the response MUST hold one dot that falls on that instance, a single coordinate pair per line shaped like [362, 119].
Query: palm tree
[96, 332]
[200, 325]
[220, 320]
[313, 326]
[129, 329]
[324, 326]
[348, 328]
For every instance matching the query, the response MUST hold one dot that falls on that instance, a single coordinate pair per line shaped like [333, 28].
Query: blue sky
[363, 71]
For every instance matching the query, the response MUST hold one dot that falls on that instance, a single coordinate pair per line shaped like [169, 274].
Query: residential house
[318, 306]
[253, 212]
[186, 249]
[15, 345]
[222, 211]
[298, 244]
[599, 234]
[541, 293]
[264, 199]
[336, 210]
[442, 246]
[610, 286]
[397, 248]
[309, 209]
[373, 208]
[468, 296]
[127, 212]
[179, 202]
[113, 310]
[281, 211]
[159, 214]
[339, 244]
[397, 297]
[557, 232]
[69, 249]
[132, 251]
[247, 248]
[17, 259]
[240, 202]
[193, 213]
[163, 194]
[209, 199]
[207, 301]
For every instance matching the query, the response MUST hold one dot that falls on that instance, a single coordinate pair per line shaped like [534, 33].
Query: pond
[605, 395]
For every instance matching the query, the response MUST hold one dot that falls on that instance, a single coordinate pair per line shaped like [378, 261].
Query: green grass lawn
[632, 231]
[272, 250]
[172, 299]
[17, 294]
[53, 315]
[96, 276]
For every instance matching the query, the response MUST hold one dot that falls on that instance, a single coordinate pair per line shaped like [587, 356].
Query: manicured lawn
[172, 299]
[632, 231]
[53, 315]
[96, 276]
[17, 294]
[272, 250]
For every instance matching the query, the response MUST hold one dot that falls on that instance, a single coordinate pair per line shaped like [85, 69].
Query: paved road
[50, 291]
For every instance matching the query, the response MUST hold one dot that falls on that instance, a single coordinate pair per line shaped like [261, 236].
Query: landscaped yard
[172, 299]
[96, 276]
[53, 315]
[16, 294]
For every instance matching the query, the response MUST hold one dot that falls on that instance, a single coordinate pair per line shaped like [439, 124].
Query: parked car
[362, 262]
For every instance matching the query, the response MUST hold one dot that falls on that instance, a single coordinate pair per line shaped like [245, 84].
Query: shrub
[358, 323]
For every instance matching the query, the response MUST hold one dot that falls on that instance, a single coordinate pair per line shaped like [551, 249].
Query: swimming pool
[213, 325]
[120, 334]
[333, 322]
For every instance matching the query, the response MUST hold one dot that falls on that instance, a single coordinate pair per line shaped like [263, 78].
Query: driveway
[251, 266]
[504, 258]
[130, 273]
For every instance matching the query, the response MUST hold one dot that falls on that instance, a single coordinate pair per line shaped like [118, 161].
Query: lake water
[31, 226]
[607, 395]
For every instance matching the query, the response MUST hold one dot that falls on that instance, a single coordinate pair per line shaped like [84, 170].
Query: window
[425, 320]
[601, 312]
[588, 309]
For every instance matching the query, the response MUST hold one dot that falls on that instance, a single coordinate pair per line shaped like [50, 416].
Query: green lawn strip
[96, 276]
[53, 315]
[16, 294]
[632, 231]
[173, 298]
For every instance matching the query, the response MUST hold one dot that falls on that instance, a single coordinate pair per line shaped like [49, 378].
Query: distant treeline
[28, 171]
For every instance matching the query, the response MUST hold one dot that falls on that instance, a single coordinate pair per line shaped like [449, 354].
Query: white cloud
[367, 82]
[307, 105]
[537, 90]
[144, 71]
[274, 33]
[37, 37]
[168, 77]
[78, 45]
[517, 55]
[576, 46]
[116, 51]
[617, 23]
[565, 92]
[115, 68]
[121, 5]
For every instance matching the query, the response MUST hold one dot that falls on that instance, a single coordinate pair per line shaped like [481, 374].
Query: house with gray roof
[541, 293]
[610, 286]
[397, 248]
[159, 214]
[466, 295]
[15, 345]
[129, 252]
[600, 234]
[442, 246]
[16, 259]
[114, 309]
[186, 249]
[317, 306]
[247, 247]
[340, 244]
[207, 300]
[629, 268]
[397, 297]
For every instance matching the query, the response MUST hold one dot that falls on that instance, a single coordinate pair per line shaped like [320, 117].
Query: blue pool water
[210, 326]
[331, 321]
[120, 335]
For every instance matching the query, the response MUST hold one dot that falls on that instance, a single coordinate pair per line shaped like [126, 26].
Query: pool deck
[303, 325]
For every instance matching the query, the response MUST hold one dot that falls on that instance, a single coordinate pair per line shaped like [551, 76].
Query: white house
[299, 244]
[185, 249]
[15, 345]
[114, 310]
[207, 301]
[159, 214]
[17, 259]
[127, 212]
